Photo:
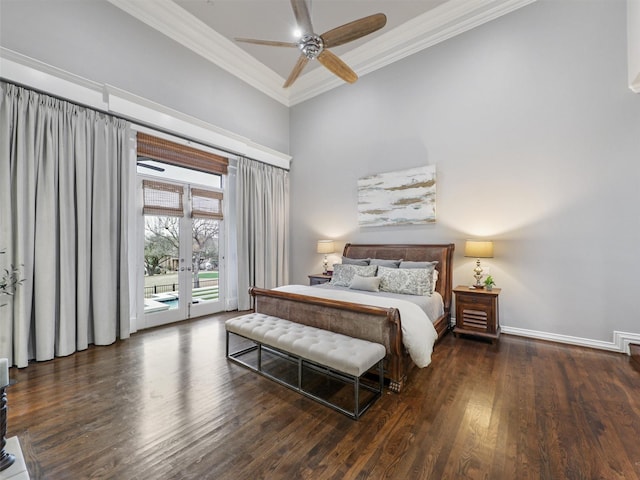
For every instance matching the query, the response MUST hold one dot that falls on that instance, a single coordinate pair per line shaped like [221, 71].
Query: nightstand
[477, 312]
[318, 278]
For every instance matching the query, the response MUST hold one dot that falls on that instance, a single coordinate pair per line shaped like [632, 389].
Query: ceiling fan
[313, 46]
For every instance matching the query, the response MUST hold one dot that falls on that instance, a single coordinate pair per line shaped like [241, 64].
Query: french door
[183, 252]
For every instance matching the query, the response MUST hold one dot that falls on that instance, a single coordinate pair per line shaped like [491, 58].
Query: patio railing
[173, 287]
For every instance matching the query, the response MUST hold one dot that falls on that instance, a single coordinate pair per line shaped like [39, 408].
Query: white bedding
[418, 333]
[432, 305]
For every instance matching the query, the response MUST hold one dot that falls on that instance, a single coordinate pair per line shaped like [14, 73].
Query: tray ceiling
[208, 27]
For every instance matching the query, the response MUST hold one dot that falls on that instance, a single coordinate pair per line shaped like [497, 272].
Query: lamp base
[6, 459]
[478, 287]
[477, 274]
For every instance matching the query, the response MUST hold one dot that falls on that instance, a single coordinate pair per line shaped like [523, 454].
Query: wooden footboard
[376, 324]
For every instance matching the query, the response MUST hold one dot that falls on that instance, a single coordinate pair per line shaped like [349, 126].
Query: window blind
[206, 204]
[180, 155]
[162, 198]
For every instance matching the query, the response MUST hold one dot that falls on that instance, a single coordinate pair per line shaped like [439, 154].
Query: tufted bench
[336, 355]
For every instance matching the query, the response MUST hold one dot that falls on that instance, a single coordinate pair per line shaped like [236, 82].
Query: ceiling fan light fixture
[311, 45]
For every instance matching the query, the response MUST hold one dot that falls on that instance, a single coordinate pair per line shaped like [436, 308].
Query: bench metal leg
[356, 387]
[239, 353]
[301, 363]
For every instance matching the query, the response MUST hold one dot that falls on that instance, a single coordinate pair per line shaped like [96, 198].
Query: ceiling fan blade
[270, 43]
[354, 30]
[301, 12]
[337, 66]
[297, 69]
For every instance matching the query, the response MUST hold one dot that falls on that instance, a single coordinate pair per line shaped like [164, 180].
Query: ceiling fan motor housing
[311, 45]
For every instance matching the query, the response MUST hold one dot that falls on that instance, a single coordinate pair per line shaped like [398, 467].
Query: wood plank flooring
[166, 404]
[634, 349]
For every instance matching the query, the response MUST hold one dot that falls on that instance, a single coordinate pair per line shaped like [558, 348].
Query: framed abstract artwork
[398, 198]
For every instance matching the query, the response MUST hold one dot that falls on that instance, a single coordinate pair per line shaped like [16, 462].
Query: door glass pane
[161, 263]
[205, 260]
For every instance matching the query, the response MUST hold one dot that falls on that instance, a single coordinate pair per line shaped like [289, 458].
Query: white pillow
[368, 284]
[343, 274]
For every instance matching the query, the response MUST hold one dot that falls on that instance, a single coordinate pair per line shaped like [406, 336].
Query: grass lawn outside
[208, 274]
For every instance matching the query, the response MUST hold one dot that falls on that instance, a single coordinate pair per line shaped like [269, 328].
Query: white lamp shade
[478, 248]
[325, 246]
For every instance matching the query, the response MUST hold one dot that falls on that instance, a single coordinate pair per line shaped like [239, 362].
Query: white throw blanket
[418, 333]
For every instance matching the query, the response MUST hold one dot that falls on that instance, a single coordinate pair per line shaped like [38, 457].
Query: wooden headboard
[442, 253]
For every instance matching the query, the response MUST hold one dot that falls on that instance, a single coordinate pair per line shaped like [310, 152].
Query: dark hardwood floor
[634, 349]
[166, 404]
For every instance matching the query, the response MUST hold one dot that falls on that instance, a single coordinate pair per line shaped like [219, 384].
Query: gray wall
[100, 42]
[535, 136]
[536, 141]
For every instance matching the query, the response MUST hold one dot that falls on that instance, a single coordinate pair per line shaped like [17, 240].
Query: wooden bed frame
[376, 324]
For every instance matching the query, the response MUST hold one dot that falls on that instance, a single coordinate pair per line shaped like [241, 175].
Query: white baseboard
[621, 340]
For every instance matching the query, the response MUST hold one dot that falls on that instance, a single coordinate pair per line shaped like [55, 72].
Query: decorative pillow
[409, 281]
[368, 284]
[404, 264]
[424, 265]
[385, 263]
[355, 261]
[343, 274]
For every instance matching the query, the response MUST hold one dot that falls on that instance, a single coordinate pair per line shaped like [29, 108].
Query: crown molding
[445, 21]
[33, 73]
[172, 20]
[437, 25]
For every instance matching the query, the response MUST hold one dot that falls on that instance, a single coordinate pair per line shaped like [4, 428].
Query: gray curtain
[262, 209]
[64, 173]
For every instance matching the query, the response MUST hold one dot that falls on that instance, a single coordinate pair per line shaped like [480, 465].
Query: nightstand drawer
[471, 300]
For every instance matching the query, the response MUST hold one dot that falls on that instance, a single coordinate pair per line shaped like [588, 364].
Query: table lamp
[478, 249]
[326, 247]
